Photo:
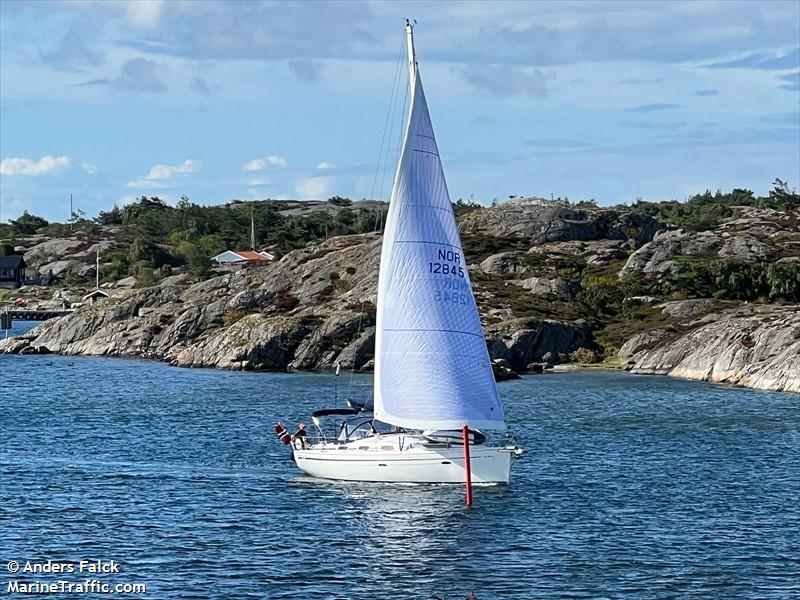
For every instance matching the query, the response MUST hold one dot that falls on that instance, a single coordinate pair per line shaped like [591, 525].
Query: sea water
[630, 486]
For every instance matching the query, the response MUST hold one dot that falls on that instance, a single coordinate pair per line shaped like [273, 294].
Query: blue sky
[222, 100]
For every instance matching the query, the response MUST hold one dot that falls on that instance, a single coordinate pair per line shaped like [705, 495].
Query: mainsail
[432, 368]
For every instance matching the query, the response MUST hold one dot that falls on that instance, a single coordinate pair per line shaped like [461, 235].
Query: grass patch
[612, 361]
[611, 269]
[478, 247]
[541, 264]
[611, 334]
[524, 304]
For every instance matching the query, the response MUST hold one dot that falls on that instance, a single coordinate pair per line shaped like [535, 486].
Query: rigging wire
[386, 125]
[403, 118]
[384, 158]
[401, 130]
[353, 367]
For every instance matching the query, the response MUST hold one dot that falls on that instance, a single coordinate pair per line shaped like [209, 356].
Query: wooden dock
[8, 316]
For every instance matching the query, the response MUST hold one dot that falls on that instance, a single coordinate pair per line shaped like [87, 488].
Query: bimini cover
[432, 368]
[327, 412]
[361, 404]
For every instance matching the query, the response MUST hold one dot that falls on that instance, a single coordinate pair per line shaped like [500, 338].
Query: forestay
[432, 368]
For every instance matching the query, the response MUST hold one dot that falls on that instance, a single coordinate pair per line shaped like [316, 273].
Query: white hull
[403, 459]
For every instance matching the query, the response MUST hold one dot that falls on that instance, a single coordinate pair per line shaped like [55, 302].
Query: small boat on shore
[436, 416]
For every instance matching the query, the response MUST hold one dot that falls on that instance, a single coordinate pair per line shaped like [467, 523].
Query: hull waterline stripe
[493, 482]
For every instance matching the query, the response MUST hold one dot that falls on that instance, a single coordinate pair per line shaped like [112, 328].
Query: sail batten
[432, 368]
[440, 330]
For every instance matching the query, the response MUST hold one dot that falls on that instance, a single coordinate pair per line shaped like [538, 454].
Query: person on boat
[301, 435]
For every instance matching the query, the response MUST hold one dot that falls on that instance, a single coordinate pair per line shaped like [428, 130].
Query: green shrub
[118, 267]
[463, 207]
[198, 261]
[144, 273]
[339, 201]
[584, 356]
[783, 280]
[28, 224]
[602, 294]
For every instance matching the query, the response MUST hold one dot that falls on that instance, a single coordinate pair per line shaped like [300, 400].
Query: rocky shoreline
[307, 312]
[545, 278]
[751, 346]
[742, 361]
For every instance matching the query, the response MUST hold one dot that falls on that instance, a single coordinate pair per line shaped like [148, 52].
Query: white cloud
[257, 181]
[254, 165]
[167, 171]
[278, 161]
[89, 168]
[312, 188]
[47, 165]
[258, 164]
[143, 184]
[144, 13]
[326, 165]
[160, 174]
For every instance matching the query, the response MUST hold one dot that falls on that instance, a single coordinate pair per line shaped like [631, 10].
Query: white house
[95, 296]
[230, 257]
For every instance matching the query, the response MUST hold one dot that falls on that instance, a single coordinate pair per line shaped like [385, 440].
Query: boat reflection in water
[416, 535]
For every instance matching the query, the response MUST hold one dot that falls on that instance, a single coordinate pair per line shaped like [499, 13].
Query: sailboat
[434, 389]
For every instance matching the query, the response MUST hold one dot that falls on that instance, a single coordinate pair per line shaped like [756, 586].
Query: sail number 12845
[449, 263]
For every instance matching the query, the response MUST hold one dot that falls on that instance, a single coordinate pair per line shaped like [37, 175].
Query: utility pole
[71, 224]
[97, 270]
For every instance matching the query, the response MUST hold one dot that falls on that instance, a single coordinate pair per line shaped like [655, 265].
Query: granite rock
[756, 346]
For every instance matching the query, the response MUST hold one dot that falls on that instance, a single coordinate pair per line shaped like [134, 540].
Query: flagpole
[252, 227]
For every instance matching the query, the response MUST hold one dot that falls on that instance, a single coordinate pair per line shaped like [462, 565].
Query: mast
[97, 270]
[412, 56]
[412, 86]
